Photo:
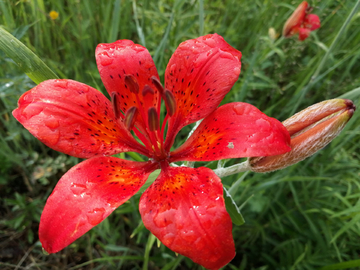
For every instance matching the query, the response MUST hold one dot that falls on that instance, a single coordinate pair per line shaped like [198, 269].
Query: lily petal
[234, 130]
[312, 22]
[303, 33]
[123, 58]
[199, 74]
[75, 119]
[184, 208]
[292, 24]
[86, 195]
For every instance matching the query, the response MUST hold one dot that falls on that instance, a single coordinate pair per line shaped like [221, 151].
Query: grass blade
[26, 60]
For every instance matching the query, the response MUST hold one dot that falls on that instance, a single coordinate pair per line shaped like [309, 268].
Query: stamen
[153, 119]
[170, 102]
[132, 83]
[115, 105]
[147, 90]
[130, 117]
[157, 84]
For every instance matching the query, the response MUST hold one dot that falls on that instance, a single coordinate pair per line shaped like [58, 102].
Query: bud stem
[241, 167]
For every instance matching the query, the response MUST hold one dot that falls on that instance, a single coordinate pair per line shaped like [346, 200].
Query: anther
[170, 102]
[115, 105]
[132, 83]
[153, 119]
[147, 90]
[130, 117]
[157, 84]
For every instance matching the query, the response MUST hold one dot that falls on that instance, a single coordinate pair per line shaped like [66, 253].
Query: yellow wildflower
[53, 15]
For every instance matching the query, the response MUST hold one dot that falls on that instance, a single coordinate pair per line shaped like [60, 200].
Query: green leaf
[342, 265]
[353, 94]
[26, 60]
[149, 181]
[232, 209]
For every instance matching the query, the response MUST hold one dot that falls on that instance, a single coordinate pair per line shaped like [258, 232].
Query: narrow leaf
[342, 265]
[26, 60]
[232, 209]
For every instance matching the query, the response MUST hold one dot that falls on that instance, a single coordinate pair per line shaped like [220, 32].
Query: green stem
[241, 167]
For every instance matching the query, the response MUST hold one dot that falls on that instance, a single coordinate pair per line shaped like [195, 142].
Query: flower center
[143, 118]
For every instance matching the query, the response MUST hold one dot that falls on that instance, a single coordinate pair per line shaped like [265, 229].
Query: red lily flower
[184, 208]
[301, 22]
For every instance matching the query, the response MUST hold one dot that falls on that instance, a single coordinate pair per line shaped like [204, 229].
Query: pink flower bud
[310, 130]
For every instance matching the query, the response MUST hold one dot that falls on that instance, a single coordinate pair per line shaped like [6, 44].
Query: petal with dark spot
[234, 130]
[123, 59]
[86, 195]
[199, 74]
[75, 119]
[184, 208]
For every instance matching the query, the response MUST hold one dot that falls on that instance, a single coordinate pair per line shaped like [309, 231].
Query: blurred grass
[303, 217]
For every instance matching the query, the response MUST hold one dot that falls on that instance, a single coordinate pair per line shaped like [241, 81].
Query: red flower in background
[184, 208]
[301, 22]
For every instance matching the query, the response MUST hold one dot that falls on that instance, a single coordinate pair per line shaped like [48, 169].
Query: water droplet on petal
[95, 216]
[51, 122]
[31, 110]
[200, 60]
[173, 69]
[262, 123]
[112, 203]
[163, 219]
[61, 83]
[188, 235]
[77, 189]
[210, 42]
[227, 55]
[105, 60]
[240, 109]
[237, 70]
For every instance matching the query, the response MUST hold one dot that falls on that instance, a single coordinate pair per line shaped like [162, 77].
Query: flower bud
[301, 22]
[310, 130]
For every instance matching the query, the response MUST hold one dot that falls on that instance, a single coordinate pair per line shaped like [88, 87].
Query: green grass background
[306, 216]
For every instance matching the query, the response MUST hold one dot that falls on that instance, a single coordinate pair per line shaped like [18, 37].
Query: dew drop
[138, 48]
[112, 203]
[237, 71]
[163, 219]
[227, 55]
[240, 109]
[51, 122]
[262, 123]
[188, 235]
[61, 83]
[210, 42]
[95, 216]
[31, 110]
[173, 69]
[200, 60]
[77, 189]
[105, 60]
